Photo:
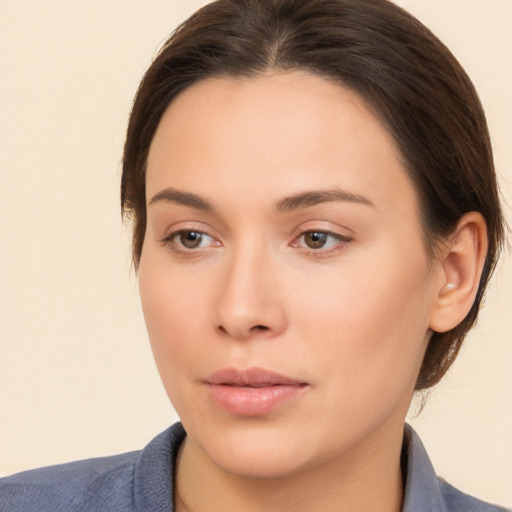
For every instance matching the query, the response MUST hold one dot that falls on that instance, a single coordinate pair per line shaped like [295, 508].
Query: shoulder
[425, 491]
[458, 501]
[67, 486]
[138, 480]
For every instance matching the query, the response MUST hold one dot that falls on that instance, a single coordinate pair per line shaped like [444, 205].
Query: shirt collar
[422, 489]
[153, 477]
[153, 487]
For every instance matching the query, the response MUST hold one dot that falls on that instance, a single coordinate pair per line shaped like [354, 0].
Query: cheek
[171, 306]
[170, 302]
[367, 324]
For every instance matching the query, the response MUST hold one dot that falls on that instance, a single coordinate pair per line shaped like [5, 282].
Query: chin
[254, 449]
[259, 463]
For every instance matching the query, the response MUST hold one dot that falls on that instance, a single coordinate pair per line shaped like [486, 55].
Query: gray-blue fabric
[141, 481]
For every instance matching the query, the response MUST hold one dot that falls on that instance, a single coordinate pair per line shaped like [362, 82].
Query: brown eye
[191, 239]
[315, 239]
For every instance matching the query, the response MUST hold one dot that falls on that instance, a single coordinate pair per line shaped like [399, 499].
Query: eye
[315, 239]
[321, 241]
[191, 239]
[188, 240]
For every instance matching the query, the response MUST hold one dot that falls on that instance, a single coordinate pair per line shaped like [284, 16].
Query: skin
[351, 319]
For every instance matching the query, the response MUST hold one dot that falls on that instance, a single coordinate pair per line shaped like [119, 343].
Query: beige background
[76, 374]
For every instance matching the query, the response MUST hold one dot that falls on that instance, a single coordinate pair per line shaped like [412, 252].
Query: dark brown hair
[403, 72]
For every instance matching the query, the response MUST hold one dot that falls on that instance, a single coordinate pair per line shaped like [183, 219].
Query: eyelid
[189, 225]
[332, 234]
[168, 240]
[342, 239]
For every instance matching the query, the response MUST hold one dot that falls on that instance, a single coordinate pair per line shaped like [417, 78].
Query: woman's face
[283, 277]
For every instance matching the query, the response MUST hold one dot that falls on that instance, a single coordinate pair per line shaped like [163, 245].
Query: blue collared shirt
[142, 482]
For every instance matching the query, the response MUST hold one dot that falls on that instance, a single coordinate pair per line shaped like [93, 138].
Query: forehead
[291, 131]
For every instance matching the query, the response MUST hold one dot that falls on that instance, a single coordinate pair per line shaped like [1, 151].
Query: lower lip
[247, 401]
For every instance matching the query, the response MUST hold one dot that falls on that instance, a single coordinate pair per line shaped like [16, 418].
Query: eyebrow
[288, 204]
[307, 199]
[171, 195]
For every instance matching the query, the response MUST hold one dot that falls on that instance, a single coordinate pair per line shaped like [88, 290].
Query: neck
[368, 479]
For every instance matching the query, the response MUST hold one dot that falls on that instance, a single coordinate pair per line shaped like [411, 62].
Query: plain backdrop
[77, 377]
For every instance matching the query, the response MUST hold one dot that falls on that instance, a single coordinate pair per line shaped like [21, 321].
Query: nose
[249, 304]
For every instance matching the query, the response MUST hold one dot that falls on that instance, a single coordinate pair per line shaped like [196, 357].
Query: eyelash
[340, 242]
[169, 241]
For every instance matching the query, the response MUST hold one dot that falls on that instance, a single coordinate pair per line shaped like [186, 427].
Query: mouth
[253, 391]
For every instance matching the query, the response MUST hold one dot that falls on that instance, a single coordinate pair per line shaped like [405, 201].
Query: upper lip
[251, 377]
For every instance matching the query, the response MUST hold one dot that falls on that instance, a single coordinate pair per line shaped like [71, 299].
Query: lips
[252, 391]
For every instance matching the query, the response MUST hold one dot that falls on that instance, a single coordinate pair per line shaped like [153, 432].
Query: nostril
[242, 333]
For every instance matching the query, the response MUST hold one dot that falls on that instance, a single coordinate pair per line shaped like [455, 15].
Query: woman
[315, 221]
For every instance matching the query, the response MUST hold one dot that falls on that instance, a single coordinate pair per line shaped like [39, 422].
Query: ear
[461, 265]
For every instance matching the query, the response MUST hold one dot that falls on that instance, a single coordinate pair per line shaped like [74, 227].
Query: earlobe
[461, 266]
